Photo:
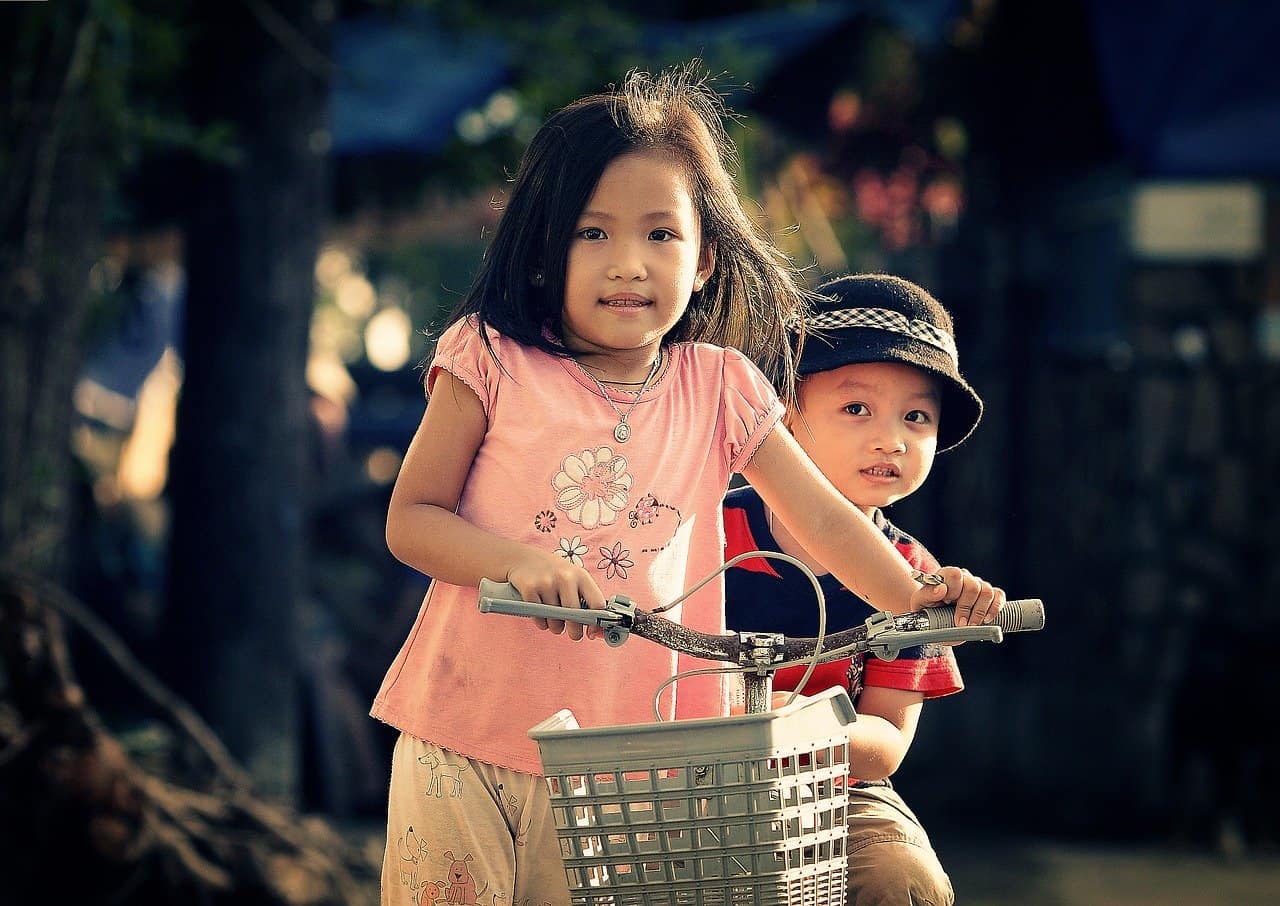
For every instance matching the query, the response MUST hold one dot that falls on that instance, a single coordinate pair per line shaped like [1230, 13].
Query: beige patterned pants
[465, 832]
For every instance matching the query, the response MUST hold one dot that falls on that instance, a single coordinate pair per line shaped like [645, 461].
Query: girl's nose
[627, 264]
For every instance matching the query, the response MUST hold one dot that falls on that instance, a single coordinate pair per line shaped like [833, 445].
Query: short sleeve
[920, 558]
[912, 550]
[751, 408]
[930, 670]
[461, 352]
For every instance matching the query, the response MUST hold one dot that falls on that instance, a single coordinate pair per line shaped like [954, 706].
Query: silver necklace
[622, 431]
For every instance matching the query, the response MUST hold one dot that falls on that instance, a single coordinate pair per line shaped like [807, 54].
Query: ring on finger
[925, 578]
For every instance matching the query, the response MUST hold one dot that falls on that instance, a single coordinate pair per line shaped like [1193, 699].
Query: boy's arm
[425, 532]
[882, 734]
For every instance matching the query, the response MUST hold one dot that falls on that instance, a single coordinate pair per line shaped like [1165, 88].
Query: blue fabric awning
[402, 82]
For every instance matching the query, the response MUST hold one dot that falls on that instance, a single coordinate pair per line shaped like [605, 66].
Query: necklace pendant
[622, 431]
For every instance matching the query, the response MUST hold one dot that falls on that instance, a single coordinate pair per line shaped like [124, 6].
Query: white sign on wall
[1198, 221]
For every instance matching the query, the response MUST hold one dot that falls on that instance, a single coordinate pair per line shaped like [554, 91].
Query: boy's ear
[706, 265]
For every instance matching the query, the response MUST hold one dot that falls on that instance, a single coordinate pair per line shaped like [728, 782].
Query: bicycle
[720, 811]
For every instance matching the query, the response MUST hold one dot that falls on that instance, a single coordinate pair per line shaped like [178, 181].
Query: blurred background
[228, 233]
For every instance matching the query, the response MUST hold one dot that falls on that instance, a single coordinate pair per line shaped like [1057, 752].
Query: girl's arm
[425, 532]
[844, 540]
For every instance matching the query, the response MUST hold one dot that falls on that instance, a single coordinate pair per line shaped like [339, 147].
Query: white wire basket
[734, 811]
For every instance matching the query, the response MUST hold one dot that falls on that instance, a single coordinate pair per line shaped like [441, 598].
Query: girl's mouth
[881, 472]
[625, 300]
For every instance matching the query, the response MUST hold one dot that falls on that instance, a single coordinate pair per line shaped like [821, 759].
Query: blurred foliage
[437, 275]
[558, 52]
[356, 280]
[140, 52]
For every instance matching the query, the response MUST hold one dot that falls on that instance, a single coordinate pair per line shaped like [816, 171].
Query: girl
[584, 419]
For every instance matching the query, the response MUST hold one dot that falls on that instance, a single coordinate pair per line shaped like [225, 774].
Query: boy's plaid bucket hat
[882, 318]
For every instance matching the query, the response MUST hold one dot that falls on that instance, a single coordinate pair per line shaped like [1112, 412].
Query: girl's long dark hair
[754, 298]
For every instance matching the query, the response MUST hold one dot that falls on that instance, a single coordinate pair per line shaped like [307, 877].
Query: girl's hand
[548, 579]
[977, 600]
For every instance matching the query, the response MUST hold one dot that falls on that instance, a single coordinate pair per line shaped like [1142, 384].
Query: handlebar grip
[502, 597]
[1016, 616]
[502, 591]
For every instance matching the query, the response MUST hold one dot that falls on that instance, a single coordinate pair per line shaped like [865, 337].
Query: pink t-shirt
[643, 517]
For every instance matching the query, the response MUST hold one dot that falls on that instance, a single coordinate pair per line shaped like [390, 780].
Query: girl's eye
[857, 409]
[919, 416]
[662, 235]
[591, 234]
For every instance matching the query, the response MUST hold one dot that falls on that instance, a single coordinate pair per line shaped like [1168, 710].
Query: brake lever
[886, 641]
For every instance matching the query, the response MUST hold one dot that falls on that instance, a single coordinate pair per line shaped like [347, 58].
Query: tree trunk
[239, 488]
[53, 167]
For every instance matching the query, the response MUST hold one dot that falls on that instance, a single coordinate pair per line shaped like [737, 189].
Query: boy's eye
[919, 416]
[591, 234]
[662, 234]
[857, 409]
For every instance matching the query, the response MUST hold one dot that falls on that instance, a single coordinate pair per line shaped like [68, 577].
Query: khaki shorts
[891, 861]
[462, 831]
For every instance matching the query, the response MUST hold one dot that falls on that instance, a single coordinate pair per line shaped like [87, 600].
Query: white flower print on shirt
[592, 487]
[572, 549]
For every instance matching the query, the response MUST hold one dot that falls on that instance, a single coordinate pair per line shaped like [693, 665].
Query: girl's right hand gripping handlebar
[882, 634]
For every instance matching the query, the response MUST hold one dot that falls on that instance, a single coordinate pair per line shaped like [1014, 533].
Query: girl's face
[872, 428]
[634, 260]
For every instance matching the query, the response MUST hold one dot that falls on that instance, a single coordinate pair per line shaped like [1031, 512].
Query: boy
[879, 393]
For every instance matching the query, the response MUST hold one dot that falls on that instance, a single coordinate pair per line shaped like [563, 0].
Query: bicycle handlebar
[884, 634]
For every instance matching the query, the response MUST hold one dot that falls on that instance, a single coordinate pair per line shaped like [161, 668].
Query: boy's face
[871, 428]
